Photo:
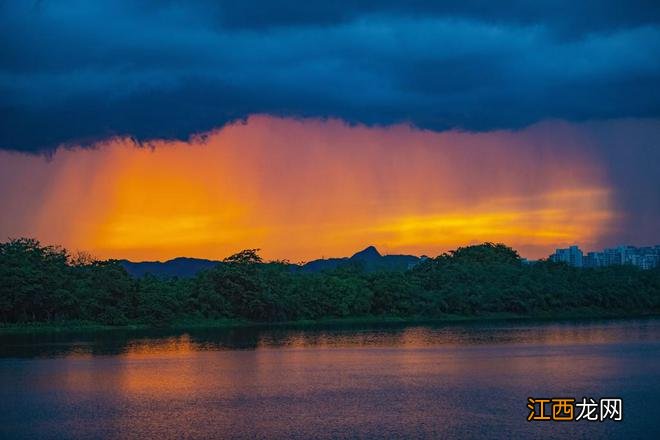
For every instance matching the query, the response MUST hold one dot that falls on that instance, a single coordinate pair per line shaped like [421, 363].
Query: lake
[462, 380]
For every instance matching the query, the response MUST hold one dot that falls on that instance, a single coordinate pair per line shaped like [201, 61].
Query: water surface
[396, 381]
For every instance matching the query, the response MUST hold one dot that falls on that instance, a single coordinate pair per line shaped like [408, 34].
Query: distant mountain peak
[369, 253]
[183, 267]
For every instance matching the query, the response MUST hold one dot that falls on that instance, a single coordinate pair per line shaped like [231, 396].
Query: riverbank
[196, 323]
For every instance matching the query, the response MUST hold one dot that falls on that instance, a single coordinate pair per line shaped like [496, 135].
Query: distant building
[593, 259]
[647, 257]
[611, 257]
[571, 256]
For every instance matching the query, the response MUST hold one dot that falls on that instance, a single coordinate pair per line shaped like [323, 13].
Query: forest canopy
[46, 284]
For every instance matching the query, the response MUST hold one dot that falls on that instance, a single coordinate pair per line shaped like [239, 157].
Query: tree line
[46, 284]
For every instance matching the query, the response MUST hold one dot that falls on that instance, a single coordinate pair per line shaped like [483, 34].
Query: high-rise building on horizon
[645, 257]
[571, 255]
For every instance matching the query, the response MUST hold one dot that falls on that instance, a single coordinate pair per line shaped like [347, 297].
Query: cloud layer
[77, 71]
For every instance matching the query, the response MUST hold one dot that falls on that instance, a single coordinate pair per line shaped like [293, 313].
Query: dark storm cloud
[76, 71]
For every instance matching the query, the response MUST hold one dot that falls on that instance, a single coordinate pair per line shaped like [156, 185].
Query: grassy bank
[190, 324]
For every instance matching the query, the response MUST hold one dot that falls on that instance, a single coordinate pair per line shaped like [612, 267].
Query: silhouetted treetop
[484, 253]
[247, 256]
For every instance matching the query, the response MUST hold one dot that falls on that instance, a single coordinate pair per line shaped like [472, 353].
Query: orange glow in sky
[303, 189]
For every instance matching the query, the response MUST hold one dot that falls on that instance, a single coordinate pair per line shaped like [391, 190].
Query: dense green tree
[46, 284]
[33, 280]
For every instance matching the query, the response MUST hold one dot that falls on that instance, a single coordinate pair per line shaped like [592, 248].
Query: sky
[154, 129]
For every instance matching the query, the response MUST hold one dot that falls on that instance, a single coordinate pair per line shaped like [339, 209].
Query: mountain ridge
[185, 267]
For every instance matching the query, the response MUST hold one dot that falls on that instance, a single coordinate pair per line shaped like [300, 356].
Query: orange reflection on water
[170, 347]
[385, 381]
